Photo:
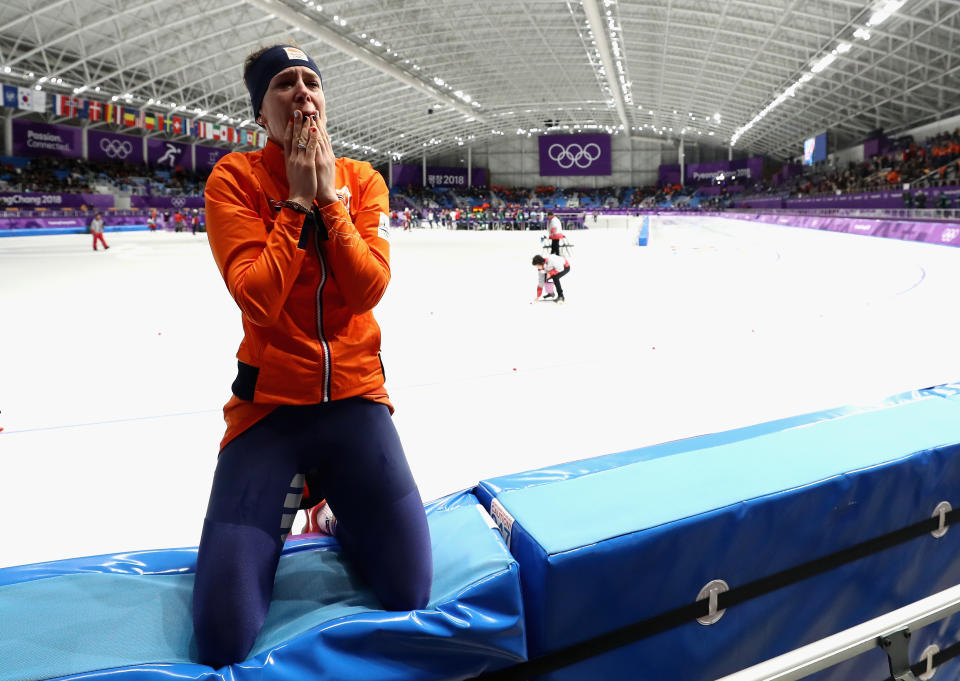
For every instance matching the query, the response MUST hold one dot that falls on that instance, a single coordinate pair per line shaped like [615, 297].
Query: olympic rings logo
[572, 154]
[114, 148]
[178, 202]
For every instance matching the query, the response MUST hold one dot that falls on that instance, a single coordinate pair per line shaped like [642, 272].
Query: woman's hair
[253, 56]
[538, 260]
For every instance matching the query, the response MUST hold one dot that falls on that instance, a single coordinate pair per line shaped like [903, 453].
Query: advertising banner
[717, 171]
[170, 155]
[585, 154]
[207, 157]
[44, 139]
[108, 146]
[437, 176]
[30, 200]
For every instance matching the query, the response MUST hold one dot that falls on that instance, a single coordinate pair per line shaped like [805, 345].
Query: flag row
[88, 109]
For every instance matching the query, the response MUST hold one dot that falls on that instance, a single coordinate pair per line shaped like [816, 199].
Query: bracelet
[292, 205]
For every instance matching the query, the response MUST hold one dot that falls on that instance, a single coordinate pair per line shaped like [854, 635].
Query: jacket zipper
[323, 341]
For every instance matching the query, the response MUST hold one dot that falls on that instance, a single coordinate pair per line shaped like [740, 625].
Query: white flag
[31, 100]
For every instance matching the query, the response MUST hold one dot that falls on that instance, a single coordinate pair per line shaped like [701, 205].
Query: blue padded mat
[133, 614]
[645, 494]
[608, 542]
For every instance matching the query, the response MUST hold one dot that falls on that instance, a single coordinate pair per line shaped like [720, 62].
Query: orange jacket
[309, 331]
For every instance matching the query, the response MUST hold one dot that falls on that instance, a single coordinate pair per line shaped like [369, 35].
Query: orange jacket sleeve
[259, 265]
[358, 255]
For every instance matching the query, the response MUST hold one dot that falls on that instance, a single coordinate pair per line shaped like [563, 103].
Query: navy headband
[269, 64]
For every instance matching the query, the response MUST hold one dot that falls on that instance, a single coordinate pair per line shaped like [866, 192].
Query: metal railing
[890, 632]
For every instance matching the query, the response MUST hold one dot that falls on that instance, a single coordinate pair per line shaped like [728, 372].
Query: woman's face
[294, 89]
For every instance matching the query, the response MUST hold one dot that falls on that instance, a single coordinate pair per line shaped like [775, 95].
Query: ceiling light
[883, 11]
[824, 62]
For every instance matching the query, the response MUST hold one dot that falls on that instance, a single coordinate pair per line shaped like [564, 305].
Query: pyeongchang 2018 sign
[587, 154]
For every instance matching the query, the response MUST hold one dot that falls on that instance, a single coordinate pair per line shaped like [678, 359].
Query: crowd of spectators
[59, 175]
[932, 162]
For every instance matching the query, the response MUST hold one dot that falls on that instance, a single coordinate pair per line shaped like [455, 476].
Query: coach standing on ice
[301, 239]
[554, 233]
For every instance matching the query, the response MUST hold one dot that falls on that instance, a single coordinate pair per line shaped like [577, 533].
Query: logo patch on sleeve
[383, 229]
[294, 53]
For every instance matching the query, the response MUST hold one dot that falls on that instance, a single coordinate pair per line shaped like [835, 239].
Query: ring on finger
[301, 146]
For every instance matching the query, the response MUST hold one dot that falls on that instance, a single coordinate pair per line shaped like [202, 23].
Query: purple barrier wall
[945, 233]
[166, 202]
[585, 154]
[409, 174]
[108, 146]
[883, 199]
[66, 223]
[43, 139]
[35, 200]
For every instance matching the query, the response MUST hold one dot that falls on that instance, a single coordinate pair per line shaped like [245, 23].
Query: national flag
[130, 118]
[65, 106]
[149, 121]
[250, 138]
[189, 127]
[262, 138]
[168, 125]
[10, 96]
[113, 113]
[141, 118]
[31, 100]
[83, 108]
[161, 122]
[95, 111]
[201, 129]
[177, 125]
[223, 134]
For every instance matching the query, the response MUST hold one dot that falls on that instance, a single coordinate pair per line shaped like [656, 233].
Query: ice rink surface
[114, 365]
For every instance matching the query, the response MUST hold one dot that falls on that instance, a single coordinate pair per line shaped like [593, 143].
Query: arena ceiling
[408, 77]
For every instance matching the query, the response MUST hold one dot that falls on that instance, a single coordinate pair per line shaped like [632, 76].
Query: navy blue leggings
[352, 449]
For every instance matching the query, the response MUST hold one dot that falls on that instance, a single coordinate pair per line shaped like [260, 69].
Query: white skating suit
[554, 263]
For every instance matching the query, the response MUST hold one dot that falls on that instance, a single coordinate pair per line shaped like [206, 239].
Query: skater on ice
[549, 270]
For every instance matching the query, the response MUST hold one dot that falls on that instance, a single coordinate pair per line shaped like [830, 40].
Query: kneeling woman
[306, 263]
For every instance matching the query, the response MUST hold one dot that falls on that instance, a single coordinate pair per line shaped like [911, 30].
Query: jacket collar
[273, 160]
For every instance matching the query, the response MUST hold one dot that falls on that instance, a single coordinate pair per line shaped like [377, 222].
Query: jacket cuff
[333, 212]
